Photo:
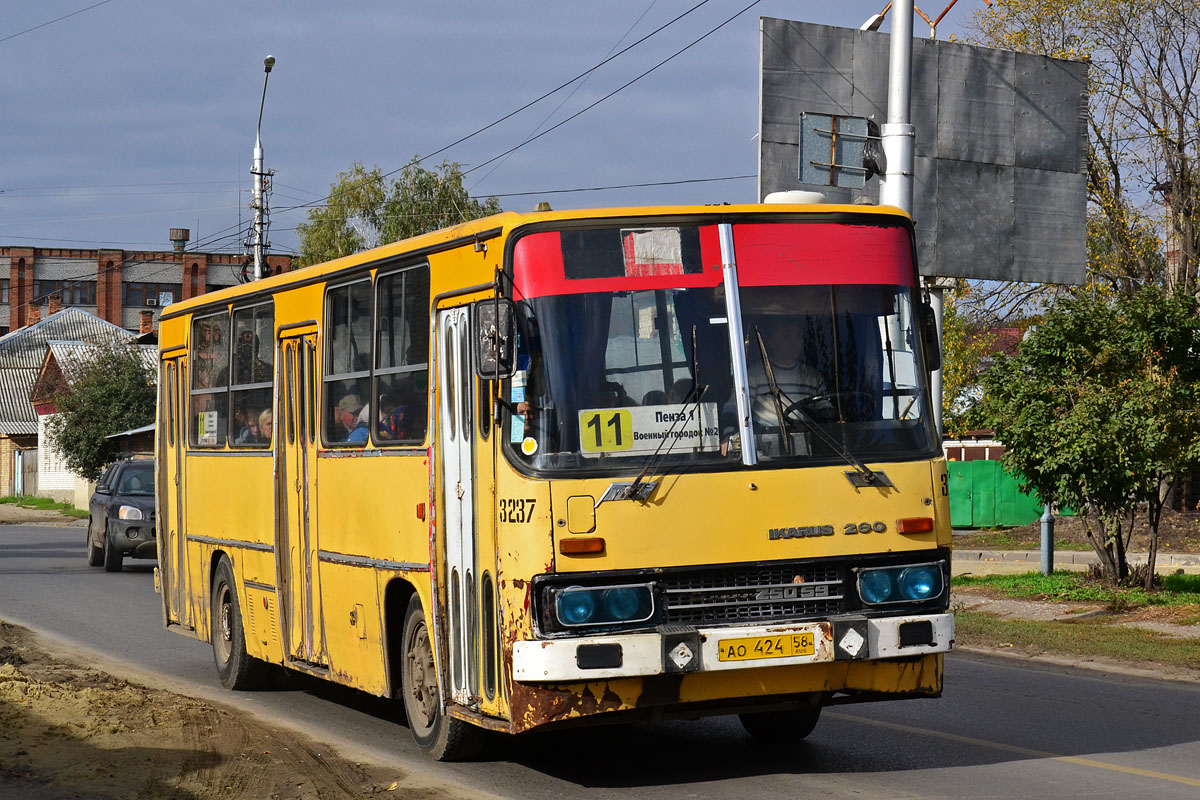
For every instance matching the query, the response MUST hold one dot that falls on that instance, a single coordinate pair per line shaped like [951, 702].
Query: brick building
[115, 285]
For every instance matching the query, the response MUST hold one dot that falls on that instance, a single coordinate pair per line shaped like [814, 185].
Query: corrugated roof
[16, 412]
[73, 357]
[26, 347]
[22, 353]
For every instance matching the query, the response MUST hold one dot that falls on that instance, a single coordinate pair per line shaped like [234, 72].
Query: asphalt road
[1002, 729]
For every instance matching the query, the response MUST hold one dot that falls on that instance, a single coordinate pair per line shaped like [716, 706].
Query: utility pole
[899, 138]
[258, 233]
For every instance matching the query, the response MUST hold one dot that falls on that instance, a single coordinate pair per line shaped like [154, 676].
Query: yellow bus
[568, 467]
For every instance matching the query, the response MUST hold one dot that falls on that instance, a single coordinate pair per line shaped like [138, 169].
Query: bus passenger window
[347, 363]
[401, 387]
[210, 381]
[253, 367]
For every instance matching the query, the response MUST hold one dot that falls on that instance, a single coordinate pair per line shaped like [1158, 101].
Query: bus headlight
[904, 584]
[129, 512]
[920, 583]
[875, 585]
[575, 606]
[579, 606]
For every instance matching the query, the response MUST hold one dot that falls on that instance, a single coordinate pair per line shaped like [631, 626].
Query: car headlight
[904, 584]
[129, 512]
[579, 606]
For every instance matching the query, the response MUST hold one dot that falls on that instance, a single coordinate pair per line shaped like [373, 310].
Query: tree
[365, 209]
[1098, 410]
[1143, 125]
[114, 391]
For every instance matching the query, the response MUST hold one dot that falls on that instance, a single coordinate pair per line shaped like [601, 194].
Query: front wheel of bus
[236, 668]
[442, 737]
[781, 727]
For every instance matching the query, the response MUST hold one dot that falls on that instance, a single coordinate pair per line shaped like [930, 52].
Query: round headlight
[920, 583]
[576, 607]
[875, 586]
[622, 603]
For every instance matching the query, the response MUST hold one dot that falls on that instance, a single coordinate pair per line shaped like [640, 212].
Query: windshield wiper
[866, 473]
[668, 441]
[694, 396]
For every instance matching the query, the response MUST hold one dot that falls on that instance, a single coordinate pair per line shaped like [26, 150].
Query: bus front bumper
[681, 650]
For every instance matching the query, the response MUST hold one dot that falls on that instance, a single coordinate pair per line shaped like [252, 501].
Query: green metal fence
[983, 495]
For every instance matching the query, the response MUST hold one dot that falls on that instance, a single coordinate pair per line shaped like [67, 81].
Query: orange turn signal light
[915, 525]
[581, 545]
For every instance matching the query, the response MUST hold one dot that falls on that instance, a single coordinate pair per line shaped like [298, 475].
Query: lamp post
[258, 204]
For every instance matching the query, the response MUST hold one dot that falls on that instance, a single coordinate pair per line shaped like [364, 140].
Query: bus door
[296, 563]
[170, 517]
[455, 383]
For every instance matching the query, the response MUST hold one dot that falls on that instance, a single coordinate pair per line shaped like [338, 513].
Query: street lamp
[258, 234]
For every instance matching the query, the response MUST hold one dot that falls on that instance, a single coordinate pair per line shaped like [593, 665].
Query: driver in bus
[796, 379]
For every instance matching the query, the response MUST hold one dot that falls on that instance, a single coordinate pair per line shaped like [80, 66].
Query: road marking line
[1025, 751]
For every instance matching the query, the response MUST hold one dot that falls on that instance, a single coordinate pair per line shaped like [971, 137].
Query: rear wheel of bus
[236, 668]
[442, 737]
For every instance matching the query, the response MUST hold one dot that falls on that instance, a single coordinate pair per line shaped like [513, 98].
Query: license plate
[756, 647]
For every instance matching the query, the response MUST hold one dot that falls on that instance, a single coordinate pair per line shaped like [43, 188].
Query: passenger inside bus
[348, 409]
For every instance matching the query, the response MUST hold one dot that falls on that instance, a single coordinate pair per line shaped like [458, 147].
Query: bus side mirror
[494, 334]
[931, 340]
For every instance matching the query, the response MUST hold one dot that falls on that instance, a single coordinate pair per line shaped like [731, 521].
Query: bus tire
[443, 738]
[781, 727]
[237, 669]
[95, 553]
[113, 557]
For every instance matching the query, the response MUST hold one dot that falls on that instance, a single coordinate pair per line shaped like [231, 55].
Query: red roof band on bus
[793, 254]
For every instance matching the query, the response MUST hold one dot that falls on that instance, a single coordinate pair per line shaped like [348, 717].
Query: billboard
[1001, 144]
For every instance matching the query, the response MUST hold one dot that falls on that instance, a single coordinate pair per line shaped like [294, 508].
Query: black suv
[121, 515]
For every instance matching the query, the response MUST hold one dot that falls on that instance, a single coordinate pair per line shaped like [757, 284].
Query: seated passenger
[654, 397]
[250, 432]
[348, 409]
[266, 425]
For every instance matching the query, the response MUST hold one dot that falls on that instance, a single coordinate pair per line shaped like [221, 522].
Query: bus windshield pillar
[737, 347]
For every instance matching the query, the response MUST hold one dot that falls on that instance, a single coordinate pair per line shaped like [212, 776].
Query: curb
[1182, 674]
[982, 562]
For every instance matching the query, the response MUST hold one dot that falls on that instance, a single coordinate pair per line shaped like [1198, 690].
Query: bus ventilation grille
[752, 592]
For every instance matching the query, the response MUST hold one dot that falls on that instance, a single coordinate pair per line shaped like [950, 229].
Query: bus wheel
[781, 727]
[236, 668]
[441, 737]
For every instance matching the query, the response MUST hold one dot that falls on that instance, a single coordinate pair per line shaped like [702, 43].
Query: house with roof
[63, 363]
[22, 356]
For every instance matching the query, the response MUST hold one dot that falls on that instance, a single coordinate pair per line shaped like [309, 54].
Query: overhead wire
[51, 22]
[620, 88]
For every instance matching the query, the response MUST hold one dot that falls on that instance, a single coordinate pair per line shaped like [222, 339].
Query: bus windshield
[625, 357]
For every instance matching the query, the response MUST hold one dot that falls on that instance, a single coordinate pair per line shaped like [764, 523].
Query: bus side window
[253, 367]
[401, 384]
[347, 364]
[210, 381]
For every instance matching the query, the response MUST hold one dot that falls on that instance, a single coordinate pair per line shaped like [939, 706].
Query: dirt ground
[1177, 533]
[12, 513]
[70, 732]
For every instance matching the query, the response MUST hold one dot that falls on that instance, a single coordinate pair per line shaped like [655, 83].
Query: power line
[51, 22]
[625, 186]
[535, 101]
[622, 87]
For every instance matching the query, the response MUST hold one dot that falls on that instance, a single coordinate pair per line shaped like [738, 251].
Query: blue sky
[137, 116]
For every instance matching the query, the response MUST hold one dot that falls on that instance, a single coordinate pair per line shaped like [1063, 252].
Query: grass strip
[1178, 590]
[977, 629]
[44, 504]
[1004, 540]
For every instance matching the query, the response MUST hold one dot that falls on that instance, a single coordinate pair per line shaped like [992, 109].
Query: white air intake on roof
[795, 196]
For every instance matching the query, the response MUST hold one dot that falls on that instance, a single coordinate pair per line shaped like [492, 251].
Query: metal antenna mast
[262, 185]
